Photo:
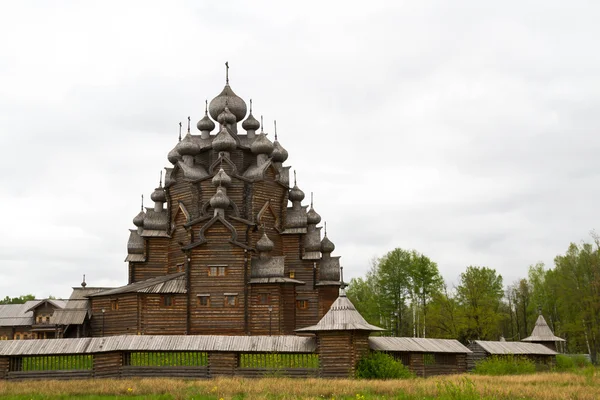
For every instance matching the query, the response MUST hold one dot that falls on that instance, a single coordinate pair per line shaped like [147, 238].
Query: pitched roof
[342, 316]
[54, 302]
[17, 314]
[173, 283]
[542, 333]
[280, 344]
[417, 345]
[513, 348]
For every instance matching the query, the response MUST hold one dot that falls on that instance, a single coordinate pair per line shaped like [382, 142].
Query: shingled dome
[342, 316]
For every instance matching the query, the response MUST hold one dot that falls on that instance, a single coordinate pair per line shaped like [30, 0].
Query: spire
[83, 284]
[142, 206]
[188, 124]
[250, 106]
[180, 131]
[206, 107]
[160, 179]
[261, 124]
[342, 287]
[295, 178]
[227, 72]
[311, 199]
[325, 228]
[275, 124]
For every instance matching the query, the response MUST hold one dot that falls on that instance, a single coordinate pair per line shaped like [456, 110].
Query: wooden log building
[542, 356]
[221, 251]
[542, 334]
[425, 357]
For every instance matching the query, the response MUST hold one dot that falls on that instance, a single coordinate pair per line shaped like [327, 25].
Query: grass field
[582, 386]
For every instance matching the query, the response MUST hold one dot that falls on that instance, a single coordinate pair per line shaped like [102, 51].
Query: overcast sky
[467, 130]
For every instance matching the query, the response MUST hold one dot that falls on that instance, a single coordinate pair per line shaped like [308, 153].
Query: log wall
[222, 364]
[3, 367]
[108, 365]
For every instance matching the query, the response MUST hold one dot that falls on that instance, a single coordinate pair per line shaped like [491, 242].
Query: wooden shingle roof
[417, 345]
[498, 348]
[342, 316]
[542, 332]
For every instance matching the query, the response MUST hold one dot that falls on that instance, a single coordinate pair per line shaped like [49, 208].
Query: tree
[394, 279]
[17, 300]
[480, 294]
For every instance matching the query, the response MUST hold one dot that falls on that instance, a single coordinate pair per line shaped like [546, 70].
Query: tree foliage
[17, 300]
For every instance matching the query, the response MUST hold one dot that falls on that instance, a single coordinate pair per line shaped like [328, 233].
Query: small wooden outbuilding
[481, 349]
[425, 357]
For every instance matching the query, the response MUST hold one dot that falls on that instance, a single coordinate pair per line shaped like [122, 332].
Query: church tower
[222, 250]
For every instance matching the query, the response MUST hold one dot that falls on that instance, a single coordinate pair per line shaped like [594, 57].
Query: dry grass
[539, 386]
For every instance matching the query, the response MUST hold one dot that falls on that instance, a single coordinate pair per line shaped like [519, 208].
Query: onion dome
[219, 199]
[221, 179]
[279, 154]
[173, 156]
[312, 217]
[261, 145]
[205, 124]
[139, 219]
[227, 98]
[250, 123]
[159, 196]
[187, 147]
[296, 194]
[226, 117]
[224, 141]
[265, 244]
[327, 245]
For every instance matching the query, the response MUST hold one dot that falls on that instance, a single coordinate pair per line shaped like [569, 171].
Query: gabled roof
[173, 283]
[17, 314]
[542, 333]
[417, 345]
[77, 308]
[53, 302]
[342, 316]
[497, 348]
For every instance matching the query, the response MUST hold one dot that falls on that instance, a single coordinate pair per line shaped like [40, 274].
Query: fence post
[108, 365]
[4, 361]
[340, 351]
[222, 364]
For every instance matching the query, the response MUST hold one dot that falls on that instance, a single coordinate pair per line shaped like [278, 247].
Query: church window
[302, 304]
[167, 300]
[204, 300]
[263, 298]
[231, 299]
[217, 270]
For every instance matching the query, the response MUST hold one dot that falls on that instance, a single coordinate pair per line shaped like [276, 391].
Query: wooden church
[222, 251]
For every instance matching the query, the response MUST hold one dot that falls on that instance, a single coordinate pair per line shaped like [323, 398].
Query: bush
[378, 365]
[573, 362]
[506, 365]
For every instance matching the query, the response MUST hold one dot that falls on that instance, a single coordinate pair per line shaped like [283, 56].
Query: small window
[114, 304]
[301, 304]
[231, 300]
[263, 298]
[292, 274]
[217, 270]
[167, 300]
[18, 337]
[47, 319]
[203, 300]
[180, 267]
